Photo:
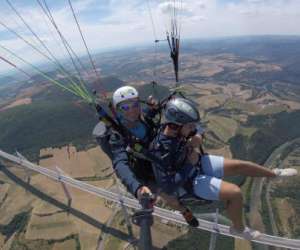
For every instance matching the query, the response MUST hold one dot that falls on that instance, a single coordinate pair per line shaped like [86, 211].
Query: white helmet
[123, 94]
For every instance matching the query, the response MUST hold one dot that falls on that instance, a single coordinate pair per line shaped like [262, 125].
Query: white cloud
[124, 22]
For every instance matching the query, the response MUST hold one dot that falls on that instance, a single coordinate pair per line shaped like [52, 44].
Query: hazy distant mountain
[273, 48]
[107, 84]
[282, 50]
[6, 80]
[142, 63]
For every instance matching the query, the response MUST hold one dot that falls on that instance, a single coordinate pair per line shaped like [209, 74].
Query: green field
[272, 131]
[273, 109]
[45, 124]
[223, 127]
[199, 240]
[246, 131]
[243, 106]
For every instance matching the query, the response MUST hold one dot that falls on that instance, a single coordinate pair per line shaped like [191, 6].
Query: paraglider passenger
[184, 168]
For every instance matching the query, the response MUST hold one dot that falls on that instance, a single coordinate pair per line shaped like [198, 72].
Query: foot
[285, 172]
[247, 233]
[190, 218]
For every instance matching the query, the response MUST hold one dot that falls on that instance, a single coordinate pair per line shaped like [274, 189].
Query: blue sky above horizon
[116, 23]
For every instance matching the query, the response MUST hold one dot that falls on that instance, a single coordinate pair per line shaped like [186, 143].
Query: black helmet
[181, 111]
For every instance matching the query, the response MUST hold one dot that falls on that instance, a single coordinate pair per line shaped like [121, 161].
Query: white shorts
[208, 184]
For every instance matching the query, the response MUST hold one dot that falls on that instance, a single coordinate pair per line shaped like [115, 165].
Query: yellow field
[250, 108]
[111, 241]
[91, 205]
[272, 109]
[231, 96]
[82, 164]
[3, 191]
[76, 164]
[243, 94]
[49, 187]
[269, 104]
[47, 222]
[88, 240]
[50, 222]
[19, 171]
[292, 105]
[286, 214]
[2, 238]
[211, 65]
[212, 101]
[198, 89]
[208, 70]
[163, 233]
[7, 245]
[215, 95]
[222, 126]
[17, 201]
[68, 244]
[84, 202]
[247, 131]
[241, 118]
[240, 244]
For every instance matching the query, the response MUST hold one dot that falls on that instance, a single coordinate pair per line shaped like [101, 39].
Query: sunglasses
[128, 106]
[174, 126]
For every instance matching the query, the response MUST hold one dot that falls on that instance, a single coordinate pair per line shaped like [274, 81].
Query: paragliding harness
[189, 197]
[184, 192]
[137, 149]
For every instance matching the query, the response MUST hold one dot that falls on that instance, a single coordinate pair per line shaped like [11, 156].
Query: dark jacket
[133, 171]
[173, 171]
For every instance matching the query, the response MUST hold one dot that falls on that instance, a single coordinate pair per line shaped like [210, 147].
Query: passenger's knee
[236, 193]
[231, 192]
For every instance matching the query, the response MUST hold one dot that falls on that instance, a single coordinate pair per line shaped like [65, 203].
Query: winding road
[256, 194]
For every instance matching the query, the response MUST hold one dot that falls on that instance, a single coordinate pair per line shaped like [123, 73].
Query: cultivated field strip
[132, 203]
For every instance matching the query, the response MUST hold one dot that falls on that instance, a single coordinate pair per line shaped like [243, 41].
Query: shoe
[285, 172]
[190, 218]
[247, 234]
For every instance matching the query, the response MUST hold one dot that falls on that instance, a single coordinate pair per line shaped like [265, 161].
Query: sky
[108, 24]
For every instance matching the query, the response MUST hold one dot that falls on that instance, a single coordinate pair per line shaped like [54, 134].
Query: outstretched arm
[121, 164]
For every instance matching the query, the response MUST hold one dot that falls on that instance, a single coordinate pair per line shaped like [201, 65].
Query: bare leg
[231, 194]
[238, 167]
